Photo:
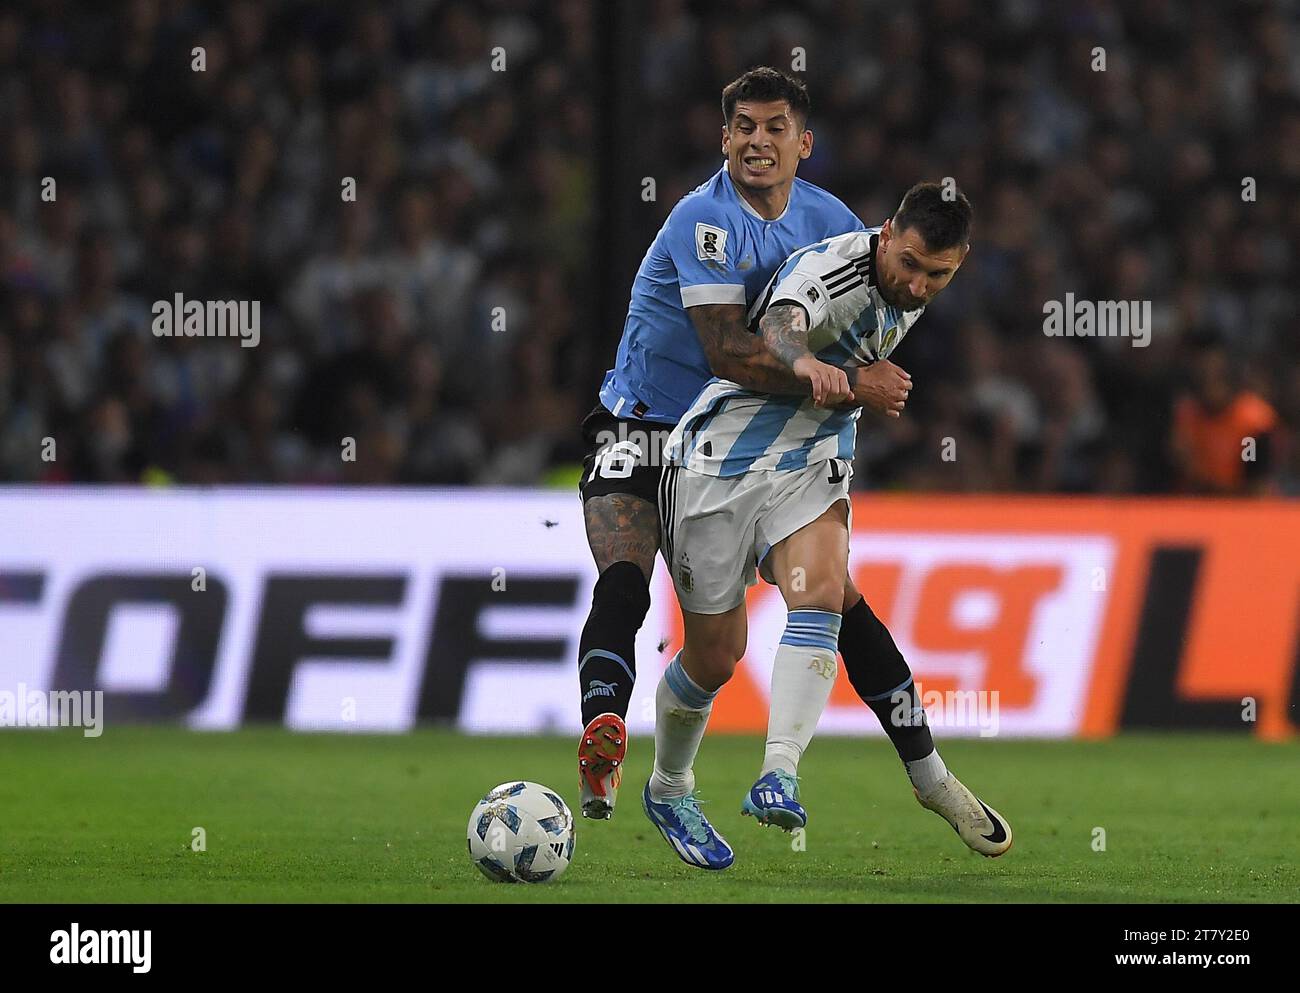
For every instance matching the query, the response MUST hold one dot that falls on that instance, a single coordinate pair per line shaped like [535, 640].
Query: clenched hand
[882, 387]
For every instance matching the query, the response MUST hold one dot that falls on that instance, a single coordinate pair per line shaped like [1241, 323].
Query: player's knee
[623, 594]
[713, 658]
[714, 667]
[818, 593]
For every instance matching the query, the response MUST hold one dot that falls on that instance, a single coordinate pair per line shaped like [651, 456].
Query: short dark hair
[764, 84]
[943, 221]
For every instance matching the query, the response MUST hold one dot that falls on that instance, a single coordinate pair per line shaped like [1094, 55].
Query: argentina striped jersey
[729, 430]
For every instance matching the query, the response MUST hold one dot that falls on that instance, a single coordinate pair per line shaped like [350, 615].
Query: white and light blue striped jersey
[713, 249]
[729, 430]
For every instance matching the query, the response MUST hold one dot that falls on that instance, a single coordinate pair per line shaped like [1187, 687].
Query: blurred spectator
[444, 316]
[1122, 184]
[1225, 435]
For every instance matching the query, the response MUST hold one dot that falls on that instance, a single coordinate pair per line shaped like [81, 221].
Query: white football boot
[982, 828]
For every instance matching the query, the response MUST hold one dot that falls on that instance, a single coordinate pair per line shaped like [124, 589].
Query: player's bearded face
[909, 273]
[763, 143]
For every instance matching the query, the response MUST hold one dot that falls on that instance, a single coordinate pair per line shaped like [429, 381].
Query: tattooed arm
[736, 354]
[784, 329]
[882, 387]
[785, 333]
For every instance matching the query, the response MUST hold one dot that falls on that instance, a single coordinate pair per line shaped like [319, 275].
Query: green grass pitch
[301, 817]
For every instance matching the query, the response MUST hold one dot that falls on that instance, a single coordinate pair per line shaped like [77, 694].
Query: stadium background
[522, 190]
[180, 529]
[455, 320]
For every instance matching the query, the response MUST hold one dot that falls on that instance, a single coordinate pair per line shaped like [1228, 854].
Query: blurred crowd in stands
[444, 319]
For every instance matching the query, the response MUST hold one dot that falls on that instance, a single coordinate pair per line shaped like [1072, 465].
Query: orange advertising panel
[1048, 616]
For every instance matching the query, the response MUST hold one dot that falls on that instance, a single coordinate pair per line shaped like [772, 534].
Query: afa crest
[685, 579]
[887, 340]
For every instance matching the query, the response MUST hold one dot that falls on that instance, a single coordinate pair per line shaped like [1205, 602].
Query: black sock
[881, 677]
[606, 652]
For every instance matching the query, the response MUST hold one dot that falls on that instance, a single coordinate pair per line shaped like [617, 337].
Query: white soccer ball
[521, 833]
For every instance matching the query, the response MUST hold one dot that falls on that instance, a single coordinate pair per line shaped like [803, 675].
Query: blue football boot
[684, 827]
[774, 799]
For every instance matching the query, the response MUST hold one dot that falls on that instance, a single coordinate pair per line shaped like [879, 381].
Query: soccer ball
[521, 833]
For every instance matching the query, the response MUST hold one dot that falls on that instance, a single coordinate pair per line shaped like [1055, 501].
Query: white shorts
[716, 530]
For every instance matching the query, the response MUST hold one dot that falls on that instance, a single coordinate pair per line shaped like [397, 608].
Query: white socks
[803, 676]
[925, 773]
[681, 714]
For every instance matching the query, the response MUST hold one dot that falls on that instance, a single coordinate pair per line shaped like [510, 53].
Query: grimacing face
[763, 144]
[908, 273]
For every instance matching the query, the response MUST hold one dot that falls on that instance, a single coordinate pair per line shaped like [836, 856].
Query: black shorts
[623, 456]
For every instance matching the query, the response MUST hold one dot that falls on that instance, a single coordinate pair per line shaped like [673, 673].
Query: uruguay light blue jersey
[729, 430]
[714, 248]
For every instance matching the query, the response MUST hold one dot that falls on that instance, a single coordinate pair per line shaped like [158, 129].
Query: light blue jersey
[729, 430]
[713, 249]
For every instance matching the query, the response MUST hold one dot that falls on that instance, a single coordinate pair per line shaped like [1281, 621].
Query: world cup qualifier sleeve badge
[710, 243]
[684, 578]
